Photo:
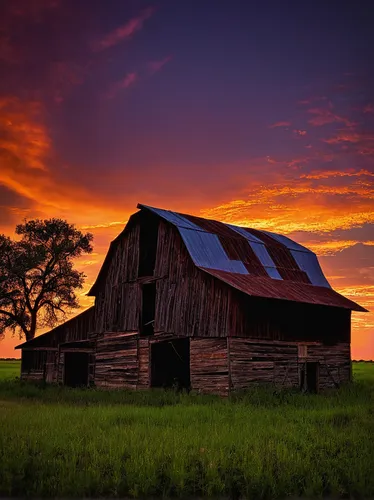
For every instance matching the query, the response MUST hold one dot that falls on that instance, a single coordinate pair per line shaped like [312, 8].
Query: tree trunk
[31, 331]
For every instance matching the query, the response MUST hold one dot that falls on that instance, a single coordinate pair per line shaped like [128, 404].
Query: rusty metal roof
[259, 263]
[285, 290]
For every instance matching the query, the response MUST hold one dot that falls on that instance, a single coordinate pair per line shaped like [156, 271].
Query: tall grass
[263, 444]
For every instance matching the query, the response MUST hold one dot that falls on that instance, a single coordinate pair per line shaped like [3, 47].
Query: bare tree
[37, 278]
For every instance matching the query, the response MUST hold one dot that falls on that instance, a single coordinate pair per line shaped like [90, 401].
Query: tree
[37, 278]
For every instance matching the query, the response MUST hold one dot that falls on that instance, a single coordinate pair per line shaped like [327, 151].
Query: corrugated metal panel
[273, 273]
[287, 242]
[265, 259]
[173, 217]
[308, 262]
[285, 290]
[206, 251]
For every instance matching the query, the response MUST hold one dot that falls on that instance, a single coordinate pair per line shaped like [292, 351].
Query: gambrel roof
[258, 263]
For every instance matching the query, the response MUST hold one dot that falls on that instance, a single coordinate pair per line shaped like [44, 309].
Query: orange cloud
[25, 155]
[23, 140]
[280, 124]
[351, 137]
[125, 31]
[325, 174]
[332, 247]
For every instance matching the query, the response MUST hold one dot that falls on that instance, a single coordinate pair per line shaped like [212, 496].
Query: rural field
[56, 441]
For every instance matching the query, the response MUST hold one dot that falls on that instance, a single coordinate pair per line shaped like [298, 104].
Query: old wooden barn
[196, 303]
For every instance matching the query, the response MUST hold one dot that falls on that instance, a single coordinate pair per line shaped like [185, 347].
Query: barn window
[302, 351]
[147, 248]
[148, 309]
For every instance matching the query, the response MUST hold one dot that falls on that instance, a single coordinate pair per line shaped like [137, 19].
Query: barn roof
[258, 263]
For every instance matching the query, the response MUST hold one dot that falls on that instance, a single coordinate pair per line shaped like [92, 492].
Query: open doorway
[309, 377]
[76, 369]
[170, 362]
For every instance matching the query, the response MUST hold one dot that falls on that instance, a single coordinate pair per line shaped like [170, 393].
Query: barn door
[309, 376]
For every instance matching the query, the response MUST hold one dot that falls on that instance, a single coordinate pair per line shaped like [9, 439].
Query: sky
[256, 113]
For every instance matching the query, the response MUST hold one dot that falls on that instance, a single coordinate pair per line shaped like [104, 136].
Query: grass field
[56, 441]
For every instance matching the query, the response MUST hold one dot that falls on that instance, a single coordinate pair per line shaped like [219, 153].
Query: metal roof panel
[206, 251]
[308, 262]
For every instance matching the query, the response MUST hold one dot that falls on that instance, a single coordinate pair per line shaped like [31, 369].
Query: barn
[182, 301]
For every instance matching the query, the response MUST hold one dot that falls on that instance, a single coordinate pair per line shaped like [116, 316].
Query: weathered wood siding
[118, 299]
[47, 366]
[33, 364]
[51, 367]
[335, 367]
[143, 364]
[117, 360]
[188, 301]
[283, 320]
[256, 361]
[209, 366]
[276, 362]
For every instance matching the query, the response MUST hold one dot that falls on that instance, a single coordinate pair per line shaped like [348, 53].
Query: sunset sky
[258, 113]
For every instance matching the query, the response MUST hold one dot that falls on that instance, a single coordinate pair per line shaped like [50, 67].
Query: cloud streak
[123, 32]
[280, 124]
[125, 83]
[155, 66]
[323, 116]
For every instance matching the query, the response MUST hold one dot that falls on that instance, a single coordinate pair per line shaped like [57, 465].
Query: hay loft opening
[148, 247]
[171, 364]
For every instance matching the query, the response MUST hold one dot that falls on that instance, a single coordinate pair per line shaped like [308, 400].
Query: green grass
[9, 369]
[56, 441]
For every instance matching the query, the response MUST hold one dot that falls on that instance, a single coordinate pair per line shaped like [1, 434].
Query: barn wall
[253, 362]
[116, 360]
[209, 366]
[256, 361]
[335, 365]
[118, 300]
[189, 302]
[143, 363]
[51, 367]
[42, 353]
[33, 364]
[283, 320]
